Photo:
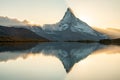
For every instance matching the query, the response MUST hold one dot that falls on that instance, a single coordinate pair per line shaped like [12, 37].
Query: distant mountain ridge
[18, 34]
[69, 28]
[5, 21]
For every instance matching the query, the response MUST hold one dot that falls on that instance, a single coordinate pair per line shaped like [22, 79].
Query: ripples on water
[59, 61]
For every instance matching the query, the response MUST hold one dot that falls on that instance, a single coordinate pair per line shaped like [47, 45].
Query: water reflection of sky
[102, 64]
[34, 67]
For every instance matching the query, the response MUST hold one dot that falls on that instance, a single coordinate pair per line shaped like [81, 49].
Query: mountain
[5, 21]
[18, 34]
[71, 28]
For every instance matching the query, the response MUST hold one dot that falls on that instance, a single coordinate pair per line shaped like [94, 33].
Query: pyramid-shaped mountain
[70, 28]
[70, 21]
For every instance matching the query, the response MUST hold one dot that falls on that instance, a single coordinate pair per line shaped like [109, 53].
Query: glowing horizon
[97, 13]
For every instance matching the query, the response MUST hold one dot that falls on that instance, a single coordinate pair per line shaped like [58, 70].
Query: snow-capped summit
[73, 29]
[69, 16]
[70, 21]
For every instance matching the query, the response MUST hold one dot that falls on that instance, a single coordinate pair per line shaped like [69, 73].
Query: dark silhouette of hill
[110, 41]
[18, 34]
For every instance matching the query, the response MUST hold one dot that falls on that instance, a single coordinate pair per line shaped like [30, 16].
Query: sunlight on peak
[94, 14]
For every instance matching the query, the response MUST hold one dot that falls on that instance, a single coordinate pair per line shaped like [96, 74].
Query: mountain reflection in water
[59, 61]
[67, 53]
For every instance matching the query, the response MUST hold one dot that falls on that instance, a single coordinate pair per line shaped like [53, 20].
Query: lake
[59, 61]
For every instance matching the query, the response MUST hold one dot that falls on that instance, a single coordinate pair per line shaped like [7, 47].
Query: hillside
[18, 34]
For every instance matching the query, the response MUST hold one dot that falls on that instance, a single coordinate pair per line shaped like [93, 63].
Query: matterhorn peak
[70, 28]
[69, 10]
[69, 15]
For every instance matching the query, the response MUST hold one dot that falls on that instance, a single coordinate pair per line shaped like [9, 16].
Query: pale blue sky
[36, 11]
[101, 13]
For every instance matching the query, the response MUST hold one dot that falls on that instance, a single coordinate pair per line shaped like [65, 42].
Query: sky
[35, 11]
[97, 13]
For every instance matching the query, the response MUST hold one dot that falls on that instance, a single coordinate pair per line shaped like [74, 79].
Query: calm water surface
[59, 61]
